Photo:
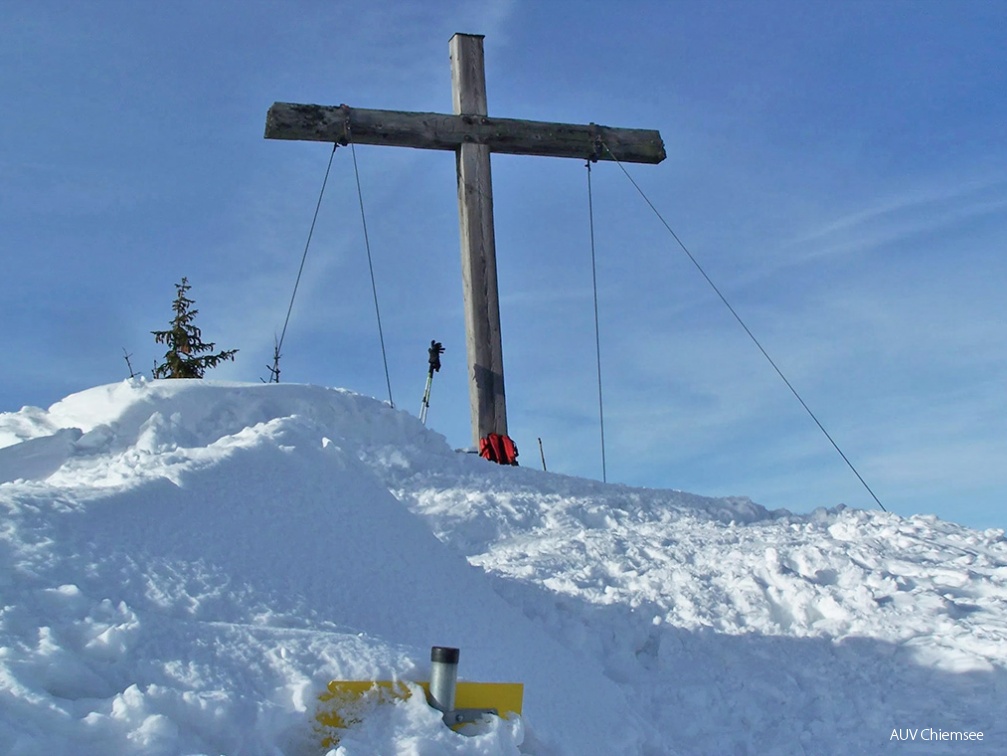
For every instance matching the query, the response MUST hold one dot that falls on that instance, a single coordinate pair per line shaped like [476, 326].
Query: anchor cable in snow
[275, 369]
[744, 326]
[370, 263]
[597, 332]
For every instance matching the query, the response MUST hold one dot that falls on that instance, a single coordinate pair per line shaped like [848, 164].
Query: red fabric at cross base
[498, 448]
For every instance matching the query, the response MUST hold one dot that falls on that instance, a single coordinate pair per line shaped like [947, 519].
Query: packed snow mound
[184, 565]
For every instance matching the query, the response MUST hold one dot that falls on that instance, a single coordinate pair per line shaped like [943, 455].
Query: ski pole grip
[443, 677]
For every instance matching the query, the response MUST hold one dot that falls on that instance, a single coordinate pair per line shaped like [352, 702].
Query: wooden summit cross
[472, 136]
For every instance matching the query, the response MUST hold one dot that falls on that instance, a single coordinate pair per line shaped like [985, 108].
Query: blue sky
[837, 168]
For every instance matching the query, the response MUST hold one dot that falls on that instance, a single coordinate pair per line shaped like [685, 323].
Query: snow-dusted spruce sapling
[185, 358]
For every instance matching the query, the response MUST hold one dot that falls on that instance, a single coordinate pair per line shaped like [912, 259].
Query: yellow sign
[347, 702]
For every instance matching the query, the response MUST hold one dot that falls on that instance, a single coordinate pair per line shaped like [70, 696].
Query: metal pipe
[443, 677]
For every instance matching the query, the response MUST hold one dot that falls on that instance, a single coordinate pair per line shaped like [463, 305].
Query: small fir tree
[185, 358]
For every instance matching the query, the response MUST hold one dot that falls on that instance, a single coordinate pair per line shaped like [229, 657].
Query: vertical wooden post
[478, 247]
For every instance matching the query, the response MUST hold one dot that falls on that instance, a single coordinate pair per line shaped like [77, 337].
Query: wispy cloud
[913, 213]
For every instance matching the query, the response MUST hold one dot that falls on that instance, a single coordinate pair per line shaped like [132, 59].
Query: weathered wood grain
[440, 131]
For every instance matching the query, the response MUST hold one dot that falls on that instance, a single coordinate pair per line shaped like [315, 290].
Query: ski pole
[434, 353]
[425, 405]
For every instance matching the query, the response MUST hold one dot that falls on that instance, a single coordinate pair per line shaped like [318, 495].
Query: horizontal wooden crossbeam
[438, 131]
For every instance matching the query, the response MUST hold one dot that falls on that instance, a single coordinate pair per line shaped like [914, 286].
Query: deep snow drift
[185, 564]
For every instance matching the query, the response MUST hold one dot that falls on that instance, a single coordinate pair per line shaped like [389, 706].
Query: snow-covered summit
[185, 564]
